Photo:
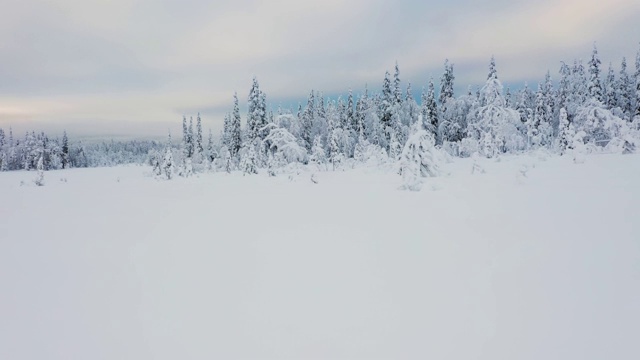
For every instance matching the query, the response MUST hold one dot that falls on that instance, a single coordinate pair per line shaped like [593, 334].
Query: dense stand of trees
[585, 107]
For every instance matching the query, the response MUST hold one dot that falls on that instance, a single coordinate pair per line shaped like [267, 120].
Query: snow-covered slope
[538, 258]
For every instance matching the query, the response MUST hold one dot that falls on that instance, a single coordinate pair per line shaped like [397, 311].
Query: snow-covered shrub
[280, 141]
[468, 147]
[579, 148]
[318, 156]
[451, 148]
[39, 180]
[476, 168]
[187, 168]
[419, 159]
[598, 123]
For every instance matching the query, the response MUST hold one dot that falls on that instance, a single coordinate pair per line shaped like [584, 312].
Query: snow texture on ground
[538, 258]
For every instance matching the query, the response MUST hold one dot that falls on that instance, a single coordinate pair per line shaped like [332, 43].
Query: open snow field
[114, 264]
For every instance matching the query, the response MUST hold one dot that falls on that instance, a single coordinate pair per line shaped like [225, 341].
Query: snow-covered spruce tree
[550, 102]
[566, 133]
[318, 155]
[4, 162]
[564, 86]
[351, 114]
[430, 110]
[409, 108]
[211, 150]
[525, 104]
[508, 99]
[623, 90]
[595, 86]
[360, 150]
[225, 138]
[610, 94]
[235, 132]
[254, 113]
[495, 119]
[320, 126]
[185, 138]
[395, 147]
[397, 92]
[248, 159]
[636, 93]
[387, 102]
[167, 161]
[65, 151]
[39, 180]
[190, 139]
[199, 145]
[580, 91]
[306, 120]
[452, 120]
[419, 160]
[336, 157]
[154, 161]
[540, 131]
[167, 164]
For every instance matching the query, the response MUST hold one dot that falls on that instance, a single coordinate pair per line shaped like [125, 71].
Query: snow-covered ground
[538, 258]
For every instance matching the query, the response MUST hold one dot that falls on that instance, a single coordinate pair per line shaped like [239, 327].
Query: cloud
[112, 64]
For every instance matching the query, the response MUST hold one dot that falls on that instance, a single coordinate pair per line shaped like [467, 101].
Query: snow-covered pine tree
[595, 86]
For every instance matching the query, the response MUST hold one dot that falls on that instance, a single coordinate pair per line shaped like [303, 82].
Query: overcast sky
[119, 67]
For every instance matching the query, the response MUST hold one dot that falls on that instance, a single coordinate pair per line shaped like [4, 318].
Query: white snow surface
[538, 258]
